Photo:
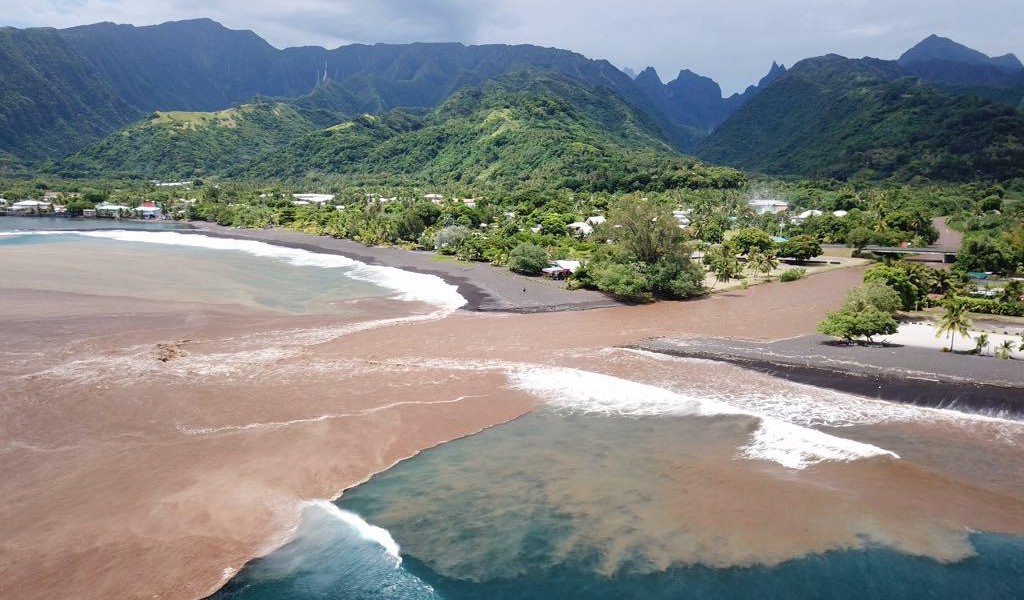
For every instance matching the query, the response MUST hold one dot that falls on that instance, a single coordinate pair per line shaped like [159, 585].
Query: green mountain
[174, 145]
[51, 101]
[935, 48]
[837, 117]
[62, 89]
[527, 128]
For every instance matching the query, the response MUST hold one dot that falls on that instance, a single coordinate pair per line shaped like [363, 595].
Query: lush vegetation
[867, 119]
[526, 129]
[183, 145]
[866, 313]
[649, 257]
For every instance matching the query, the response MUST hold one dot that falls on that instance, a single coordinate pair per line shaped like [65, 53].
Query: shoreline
[224, 459]
[904, 374]
[486, 288]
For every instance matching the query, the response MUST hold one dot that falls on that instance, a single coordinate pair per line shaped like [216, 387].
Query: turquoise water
[179, 267]
[56, 223]
[581, 506]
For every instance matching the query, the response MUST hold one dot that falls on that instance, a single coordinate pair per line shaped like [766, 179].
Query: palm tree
[981, 342]
[762, 262]
[722, 264]
[953, 321]
[1004, 350]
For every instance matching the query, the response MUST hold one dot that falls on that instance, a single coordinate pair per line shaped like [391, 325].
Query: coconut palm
[981, 342]
[762, 262]
[1004, 350]
[953, 321]
[722, 264]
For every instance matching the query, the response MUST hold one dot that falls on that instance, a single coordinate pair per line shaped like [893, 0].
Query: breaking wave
[409, 286]
[371, 533]
[787, 444]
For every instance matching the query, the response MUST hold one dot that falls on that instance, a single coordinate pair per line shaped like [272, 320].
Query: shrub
[625, 281]
[849, 323]
[793, 274]
[528, 259]
[993, 307]
[801, 248]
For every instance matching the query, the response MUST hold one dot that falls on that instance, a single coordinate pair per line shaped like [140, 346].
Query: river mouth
[573, 505]
[159, 433]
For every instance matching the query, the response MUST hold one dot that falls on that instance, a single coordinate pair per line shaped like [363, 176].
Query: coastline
[486, 288]
[203, 453]
[906, 374]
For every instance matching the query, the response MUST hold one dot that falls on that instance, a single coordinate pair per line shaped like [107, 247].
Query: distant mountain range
[866, 118]
[196, 98]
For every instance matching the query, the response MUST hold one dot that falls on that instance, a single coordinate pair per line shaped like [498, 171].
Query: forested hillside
[175, 145]
[837, 117]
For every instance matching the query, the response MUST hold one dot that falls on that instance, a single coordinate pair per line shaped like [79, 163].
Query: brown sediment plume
[127, 476]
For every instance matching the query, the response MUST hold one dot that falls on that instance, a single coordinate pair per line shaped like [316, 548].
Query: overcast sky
[731, 41]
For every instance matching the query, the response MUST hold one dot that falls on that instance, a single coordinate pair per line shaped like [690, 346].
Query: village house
[682, 217]
[149, 210]
[807, 214]
[108, 210]
[314, 198]
[580, 229]
[435, 198]
[560, 269]
[768, 207]
[31, 207]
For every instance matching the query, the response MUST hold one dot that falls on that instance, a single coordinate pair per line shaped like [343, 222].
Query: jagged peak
[774, 72]
[649, 73]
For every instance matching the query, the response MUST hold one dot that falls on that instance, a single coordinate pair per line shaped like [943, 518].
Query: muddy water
[150, 448]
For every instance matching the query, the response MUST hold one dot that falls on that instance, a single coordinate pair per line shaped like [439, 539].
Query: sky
[730, 41]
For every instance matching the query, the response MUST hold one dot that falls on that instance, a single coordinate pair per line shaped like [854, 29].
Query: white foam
[785, 443]
[372, 533]
[810, 406]
[798, 447]
[414, 287]
[583, 391]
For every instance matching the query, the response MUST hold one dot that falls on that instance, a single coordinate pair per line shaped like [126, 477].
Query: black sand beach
[921, 376]
[486, 288]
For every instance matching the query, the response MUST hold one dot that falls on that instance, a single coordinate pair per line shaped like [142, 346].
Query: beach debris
[166, 352]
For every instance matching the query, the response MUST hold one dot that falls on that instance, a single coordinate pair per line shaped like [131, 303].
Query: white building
[106, 209]
[149, 210]
[580, 229]
[435, 198]
[807, 214]
[314, 198]
[768, 207]
[31, 206]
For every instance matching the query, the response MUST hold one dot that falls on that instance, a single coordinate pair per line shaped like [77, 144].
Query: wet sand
[127, 476]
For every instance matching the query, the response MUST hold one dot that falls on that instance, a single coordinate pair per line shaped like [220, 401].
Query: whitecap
[787, 444]
[368, 532]
[409, 286]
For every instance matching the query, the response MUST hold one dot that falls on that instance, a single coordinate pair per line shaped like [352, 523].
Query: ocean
[176, 404]
[164, 262]
[558, 505]
[616, 489]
